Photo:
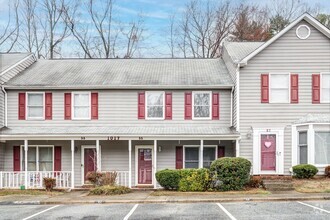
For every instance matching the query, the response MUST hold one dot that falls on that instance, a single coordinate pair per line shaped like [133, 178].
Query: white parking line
[131, 212]
[323, 210]
[31, 216]
[225, 211]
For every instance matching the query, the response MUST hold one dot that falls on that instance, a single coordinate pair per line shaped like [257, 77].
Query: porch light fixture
[159, 148]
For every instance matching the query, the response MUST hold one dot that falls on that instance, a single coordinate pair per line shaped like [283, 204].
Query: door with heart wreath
[268, 152]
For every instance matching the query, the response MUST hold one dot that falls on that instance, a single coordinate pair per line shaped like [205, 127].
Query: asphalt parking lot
[247, 210]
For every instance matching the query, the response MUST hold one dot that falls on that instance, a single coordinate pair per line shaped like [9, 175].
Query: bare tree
[171, 37]
[133, 35]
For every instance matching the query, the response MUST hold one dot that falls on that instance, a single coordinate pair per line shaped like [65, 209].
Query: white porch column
[155, 164]
[72, 164]
[294, 156]
[201, 150]
[130, 163]
[310, 144]
[26, 162]
[237, 147]
[98, 156]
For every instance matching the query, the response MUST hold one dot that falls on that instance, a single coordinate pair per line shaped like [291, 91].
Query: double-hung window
[325, 87]
[302, 147]
[35, 105]
[191, 156]
[81, 108]
[279, 87]
[155, 105]
[39, 158]
[202, 105]
[322, 148]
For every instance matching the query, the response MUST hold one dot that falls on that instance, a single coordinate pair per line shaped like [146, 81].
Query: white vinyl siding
[35, 106]
[81, 105]
[155, 105]
[279, 87]
[202, 103]
[325, 87]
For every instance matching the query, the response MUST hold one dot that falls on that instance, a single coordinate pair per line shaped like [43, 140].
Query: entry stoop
[278, 184]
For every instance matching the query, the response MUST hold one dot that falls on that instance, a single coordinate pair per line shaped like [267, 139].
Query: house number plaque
[113, 138]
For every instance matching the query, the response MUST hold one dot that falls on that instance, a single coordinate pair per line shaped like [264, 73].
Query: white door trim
[137, 147]
[257, 132]
[83, 147]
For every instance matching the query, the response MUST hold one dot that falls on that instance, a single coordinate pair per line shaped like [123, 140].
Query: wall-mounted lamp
[159, 148]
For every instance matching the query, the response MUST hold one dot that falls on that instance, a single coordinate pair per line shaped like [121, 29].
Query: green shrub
[194, 180]
[169, 179]
[327, 171]
[304, 171]
[110, 190]
[49, 183]
[230, 173]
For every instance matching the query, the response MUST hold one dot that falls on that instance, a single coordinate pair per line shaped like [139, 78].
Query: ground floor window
[302, 145]
[209, 155]
[39, 158]
[192, 156]
[322, 148]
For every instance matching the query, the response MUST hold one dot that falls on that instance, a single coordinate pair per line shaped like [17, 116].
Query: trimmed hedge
[194, 180]
[230, 173]
[169, 179]
[304, 171]
[110, 190]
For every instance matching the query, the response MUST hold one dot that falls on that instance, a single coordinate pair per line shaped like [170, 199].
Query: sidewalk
[82, 197]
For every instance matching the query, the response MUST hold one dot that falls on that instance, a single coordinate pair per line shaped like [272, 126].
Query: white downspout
[237, 88]
[231, 106]
[5, 107]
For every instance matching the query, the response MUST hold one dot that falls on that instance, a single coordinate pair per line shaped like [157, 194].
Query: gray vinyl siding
[287, 54]
[117, 107]
[2, 109]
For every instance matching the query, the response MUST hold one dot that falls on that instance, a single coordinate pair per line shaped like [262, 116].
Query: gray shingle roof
[314, 118]
[239, 50]
[120, 130]
[9, 59]
[114, 73]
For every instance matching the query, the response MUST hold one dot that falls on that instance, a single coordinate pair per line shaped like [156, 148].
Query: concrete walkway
[82, 197]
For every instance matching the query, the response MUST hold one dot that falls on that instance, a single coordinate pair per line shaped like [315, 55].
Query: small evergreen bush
[194, 180]
[169, 179]
[304, 171]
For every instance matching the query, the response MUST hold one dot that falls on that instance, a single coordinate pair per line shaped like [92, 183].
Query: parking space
[232, 211]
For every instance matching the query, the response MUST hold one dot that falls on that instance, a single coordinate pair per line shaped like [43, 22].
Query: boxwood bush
[169, 179]
[194, 180]
[304, 171]
[230, 173]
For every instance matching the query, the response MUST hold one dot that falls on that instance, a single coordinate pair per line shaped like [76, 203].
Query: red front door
[144, 166]
[90, 161]
[268, 152]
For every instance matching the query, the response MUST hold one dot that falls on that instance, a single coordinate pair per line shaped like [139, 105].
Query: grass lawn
[248, 191]
[316, 185]
[6, 192]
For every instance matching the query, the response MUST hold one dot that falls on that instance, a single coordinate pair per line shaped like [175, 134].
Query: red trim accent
[188, 106]
[95, 105]
[67, 106]
[48, 106]
[179, 158]
[21, 105]
[57, 158]
[294, 88]
[141, 105]
[17, 158]
[221, 151]
[215, 106]
[168, 106]
[265, 88]
[316, 87]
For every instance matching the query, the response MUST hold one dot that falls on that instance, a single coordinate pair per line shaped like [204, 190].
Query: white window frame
[313, 150]
[193, 105]
[146, 103]
[27, 106]
[199, 156]
[270, 88]
[37, 156]
[299, 145]
[73, 106]
[321, 88]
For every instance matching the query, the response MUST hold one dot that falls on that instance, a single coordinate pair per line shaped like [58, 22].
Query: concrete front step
[278, 185]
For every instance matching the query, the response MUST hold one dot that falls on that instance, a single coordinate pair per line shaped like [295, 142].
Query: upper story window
[81, 108]
[202, 105]
[35, 105]
[325, 87]
[155, 105]
[279, 87]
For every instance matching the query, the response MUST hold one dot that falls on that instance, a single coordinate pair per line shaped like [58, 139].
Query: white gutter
[5, 107]
[237, 97]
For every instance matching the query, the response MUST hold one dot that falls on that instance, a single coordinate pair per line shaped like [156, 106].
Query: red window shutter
[215, 106]
[168, 106]
[264, 88]
[294, 88]
[188, 106]
[95, 105]
[179, 158]
[57, 158]
[141, 105]
[48, 106]
[221, 151]
[67, 106]
[21, 106]
[316, 88]
[17, 158]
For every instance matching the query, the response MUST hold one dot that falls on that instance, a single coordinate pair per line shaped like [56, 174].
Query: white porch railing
[122, 177]
[35, 179]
